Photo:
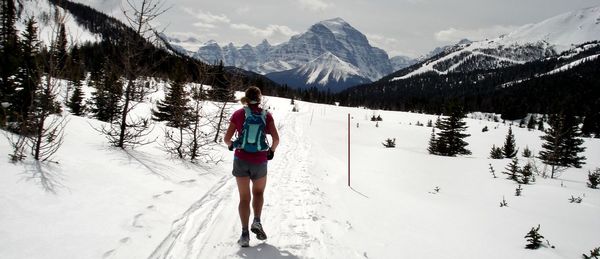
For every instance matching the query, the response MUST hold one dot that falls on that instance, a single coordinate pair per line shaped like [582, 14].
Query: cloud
[391, 45]
[207, 20]
[314, 5]
[272, 30]
[454, 35]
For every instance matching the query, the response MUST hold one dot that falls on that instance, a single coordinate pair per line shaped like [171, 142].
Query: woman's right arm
[229, 134]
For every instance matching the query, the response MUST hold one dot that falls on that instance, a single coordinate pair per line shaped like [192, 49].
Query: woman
[251, 166]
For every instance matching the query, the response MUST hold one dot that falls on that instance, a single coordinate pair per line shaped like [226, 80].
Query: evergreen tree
[60, 48]
[174, 109]
[508, 150]
[532, 122]
[450, 139]
[28, 77]
[541, 123]
[573, 142]
[526, 173]
[512, 170]
[108, 95]
[9, 59]
[591, 125]
[526, 152]
[221, 90]
[534, 238]
[433, 145]
[562, 143]
[75, 103]
[496, 153]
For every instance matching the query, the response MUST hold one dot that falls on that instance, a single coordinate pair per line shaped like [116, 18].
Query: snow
[328, 67]
[562, 31]
[47, 31]
[111, 203]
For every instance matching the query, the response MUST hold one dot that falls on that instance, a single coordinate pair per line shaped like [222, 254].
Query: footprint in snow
[168, 192]
[108, 253]
[124, 240]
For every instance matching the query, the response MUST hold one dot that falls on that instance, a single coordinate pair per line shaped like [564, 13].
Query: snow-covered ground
[101, 202]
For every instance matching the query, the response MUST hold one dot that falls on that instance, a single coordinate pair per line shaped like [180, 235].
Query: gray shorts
[242, 168]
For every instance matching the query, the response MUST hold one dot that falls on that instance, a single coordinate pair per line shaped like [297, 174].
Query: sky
[400, 27]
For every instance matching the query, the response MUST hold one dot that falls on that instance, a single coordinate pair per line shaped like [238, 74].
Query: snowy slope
[109, 203]
[527, 43]
[562, 31]
[43, 12]
[325, 72]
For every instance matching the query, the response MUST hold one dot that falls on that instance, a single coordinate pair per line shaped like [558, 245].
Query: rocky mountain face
[327, 73]
[334, 36]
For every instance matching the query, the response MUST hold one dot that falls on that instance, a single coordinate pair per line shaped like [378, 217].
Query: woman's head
[252, 96]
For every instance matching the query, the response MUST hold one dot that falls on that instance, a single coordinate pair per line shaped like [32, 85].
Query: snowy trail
[210, 227]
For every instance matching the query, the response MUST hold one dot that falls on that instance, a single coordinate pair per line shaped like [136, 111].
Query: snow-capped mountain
[528, 43]
[326, 72]
[335, 36]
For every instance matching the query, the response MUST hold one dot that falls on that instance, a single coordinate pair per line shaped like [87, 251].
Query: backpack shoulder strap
[263, 116]
[247, 111]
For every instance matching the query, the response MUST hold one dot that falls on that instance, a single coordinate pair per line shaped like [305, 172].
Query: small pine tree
[518, 190]
[433, 145]
[534, 238]
[496, 153]
[594, 178]
[493, 171]
[526, 173]
[450, 140]
[509, 149]
[526, 152]
[390, 143]
[512, 170]
[503, 203]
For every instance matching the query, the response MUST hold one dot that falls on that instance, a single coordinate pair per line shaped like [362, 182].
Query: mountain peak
[336, 25]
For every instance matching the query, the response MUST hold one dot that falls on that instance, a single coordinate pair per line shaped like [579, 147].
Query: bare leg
[243, 184]
[258, 189]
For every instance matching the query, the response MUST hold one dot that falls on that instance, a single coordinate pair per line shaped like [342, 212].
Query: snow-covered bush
[594, 254]
[575, 200]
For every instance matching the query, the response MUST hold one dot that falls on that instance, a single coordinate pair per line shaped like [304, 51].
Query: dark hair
[252, 96]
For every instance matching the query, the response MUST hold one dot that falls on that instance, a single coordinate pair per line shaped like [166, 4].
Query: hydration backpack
[253, 137]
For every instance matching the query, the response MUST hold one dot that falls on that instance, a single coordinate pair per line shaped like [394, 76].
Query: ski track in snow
[210, 227]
